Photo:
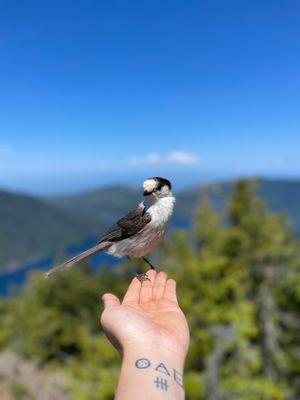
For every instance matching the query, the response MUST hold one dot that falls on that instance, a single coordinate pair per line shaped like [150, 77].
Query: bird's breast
[151, 235]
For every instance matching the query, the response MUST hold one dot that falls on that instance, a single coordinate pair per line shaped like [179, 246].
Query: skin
[148, 324]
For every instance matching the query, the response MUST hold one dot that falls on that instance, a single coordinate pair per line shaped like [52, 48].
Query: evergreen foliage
[238, 279]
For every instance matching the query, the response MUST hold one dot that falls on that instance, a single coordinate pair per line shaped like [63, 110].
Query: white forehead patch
[149, 185]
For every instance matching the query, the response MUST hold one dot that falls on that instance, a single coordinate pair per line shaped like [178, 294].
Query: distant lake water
[11, 282]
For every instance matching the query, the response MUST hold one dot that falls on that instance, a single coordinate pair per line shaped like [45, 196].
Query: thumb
[110, 300]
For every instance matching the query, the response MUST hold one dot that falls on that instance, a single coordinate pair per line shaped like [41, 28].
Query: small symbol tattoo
[161, 383]
[162, 368]
[142, 363]
[178, 378]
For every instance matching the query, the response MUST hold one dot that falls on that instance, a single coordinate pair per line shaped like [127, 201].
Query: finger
[133, 291]
[170, 291]
[159, 285]
[110, 300]
[146, 289]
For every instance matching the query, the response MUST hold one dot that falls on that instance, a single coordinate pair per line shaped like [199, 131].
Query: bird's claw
[142, 277]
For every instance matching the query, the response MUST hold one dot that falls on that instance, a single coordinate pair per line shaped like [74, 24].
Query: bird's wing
[129, 225]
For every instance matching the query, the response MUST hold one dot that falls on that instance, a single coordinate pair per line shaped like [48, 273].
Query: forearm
[151, 374]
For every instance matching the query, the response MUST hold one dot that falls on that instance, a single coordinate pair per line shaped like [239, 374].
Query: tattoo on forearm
[162, 368]
[160, 383]
[178, 378]
[142, 363]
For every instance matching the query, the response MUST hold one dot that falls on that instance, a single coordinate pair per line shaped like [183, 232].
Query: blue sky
[93, 92]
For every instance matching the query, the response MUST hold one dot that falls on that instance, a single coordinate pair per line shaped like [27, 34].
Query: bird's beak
[147, 193]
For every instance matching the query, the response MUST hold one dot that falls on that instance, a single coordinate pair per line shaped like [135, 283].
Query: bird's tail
[69, 263]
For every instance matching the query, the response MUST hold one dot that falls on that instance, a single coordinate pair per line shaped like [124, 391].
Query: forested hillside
[104, 204]
[282, 196]
[238, 281]
[109, 203]
[31, 228]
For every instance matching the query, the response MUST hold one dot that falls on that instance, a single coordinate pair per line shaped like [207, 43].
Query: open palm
[149, 315]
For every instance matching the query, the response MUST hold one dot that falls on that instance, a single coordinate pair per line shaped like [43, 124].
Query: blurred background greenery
[238, 274]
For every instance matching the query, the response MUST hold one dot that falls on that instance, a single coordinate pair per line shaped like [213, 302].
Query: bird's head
[157, 187]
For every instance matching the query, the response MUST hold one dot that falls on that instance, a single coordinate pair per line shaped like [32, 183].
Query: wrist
[156, 360]
[159, 374]
[156, 351]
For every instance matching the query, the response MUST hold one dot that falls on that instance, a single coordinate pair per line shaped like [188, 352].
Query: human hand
[149, 317]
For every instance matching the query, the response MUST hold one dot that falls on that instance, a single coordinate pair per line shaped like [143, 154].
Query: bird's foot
[142, 277]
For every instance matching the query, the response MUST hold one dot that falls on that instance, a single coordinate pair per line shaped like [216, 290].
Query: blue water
[11, 282]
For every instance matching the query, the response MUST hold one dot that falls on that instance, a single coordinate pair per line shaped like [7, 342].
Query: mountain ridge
[281, 195]
[32, 227]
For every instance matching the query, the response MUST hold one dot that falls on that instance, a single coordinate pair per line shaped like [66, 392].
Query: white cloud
[182, 157]
[179, 157]
[135, 161]
[153, 158]
[5, 149]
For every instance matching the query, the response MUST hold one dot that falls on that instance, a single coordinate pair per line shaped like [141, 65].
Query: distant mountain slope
[105, 204]
[30, 228]
[109, 203]
[280, 195]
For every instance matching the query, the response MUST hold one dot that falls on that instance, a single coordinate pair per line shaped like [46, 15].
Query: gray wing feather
[128, 226]
[69, 263]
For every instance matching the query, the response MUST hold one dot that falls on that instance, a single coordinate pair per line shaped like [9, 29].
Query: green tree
[238, 283]
[229, 282]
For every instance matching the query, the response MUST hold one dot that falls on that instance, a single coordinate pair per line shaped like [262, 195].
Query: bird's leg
[149, 263]
[141, 277]
[144, 277]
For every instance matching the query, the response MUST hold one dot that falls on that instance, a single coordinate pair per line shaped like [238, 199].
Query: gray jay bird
[139, 232]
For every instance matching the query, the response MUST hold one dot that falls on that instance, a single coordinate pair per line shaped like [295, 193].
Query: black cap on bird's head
[160, 186]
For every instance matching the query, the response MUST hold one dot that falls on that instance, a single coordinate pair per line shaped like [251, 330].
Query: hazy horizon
[73, 186]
